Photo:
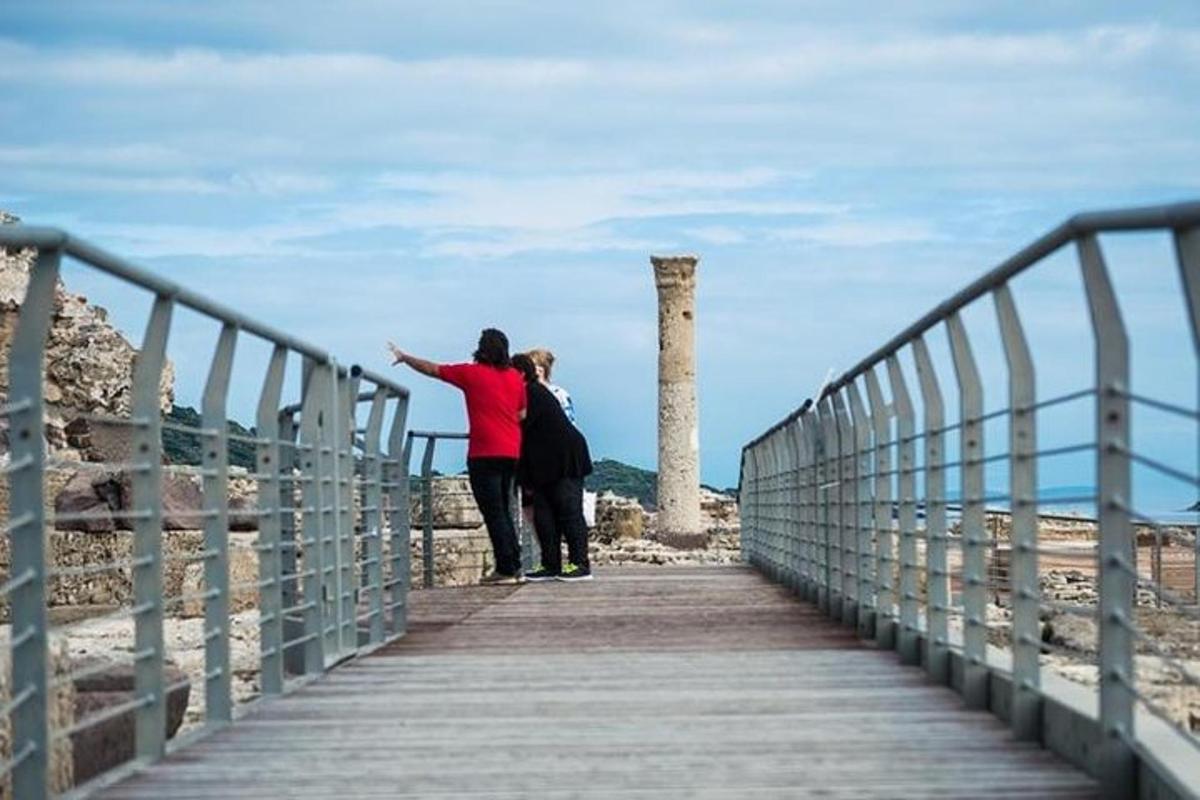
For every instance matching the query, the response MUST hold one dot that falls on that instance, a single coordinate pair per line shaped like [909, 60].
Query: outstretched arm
[429, 368]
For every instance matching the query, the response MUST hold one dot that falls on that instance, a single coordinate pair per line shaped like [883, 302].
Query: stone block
[62, 714]
[109, 743]
[243, 577]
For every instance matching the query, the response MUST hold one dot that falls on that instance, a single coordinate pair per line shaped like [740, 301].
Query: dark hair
[524, 365]
[493, 348]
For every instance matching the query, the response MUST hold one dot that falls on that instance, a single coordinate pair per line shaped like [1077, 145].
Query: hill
[625, 480]
[185, 448]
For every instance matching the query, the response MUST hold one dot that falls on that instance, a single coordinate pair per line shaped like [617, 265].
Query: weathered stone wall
[460, 557]
[62, 714]
[678, 428]
[453, 504]
[88, 369]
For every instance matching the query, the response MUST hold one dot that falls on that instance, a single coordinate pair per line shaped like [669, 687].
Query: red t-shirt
[495, 398]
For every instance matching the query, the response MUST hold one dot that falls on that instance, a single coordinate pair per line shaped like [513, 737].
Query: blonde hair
[543, 358]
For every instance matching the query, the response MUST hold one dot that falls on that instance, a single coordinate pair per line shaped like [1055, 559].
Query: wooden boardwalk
[649, 683]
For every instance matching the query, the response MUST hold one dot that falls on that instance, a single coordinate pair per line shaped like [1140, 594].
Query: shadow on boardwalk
[646, 683]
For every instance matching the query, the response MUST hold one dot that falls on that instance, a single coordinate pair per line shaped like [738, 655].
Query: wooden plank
[666, 683]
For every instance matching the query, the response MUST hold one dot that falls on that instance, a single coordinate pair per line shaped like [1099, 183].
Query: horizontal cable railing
[324, 576]
[869, 503]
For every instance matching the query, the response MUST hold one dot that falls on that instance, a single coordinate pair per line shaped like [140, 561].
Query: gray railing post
[795, 503]
[291, 540]
[427, 512]
[271, 511]
[1187, 253]
[146, 484]
[329, 574]
[847, 493]
[785, 505]
[346, 406]
[974, 541]
[746, 507]
[1118, 571]
[812, 504]
[885, 603]
[865, 498]
[824, 546]
[1025, 588]
[399, 455]
[30, 717]
[937, 569]
[908, 643]
[218, 677]
[769, 527]
[373, 513]
[314, 522]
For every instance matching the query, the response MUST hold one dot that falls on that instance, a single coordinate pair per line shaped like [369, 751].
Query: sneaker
[540, 574]
[499, 579]
[571, 572]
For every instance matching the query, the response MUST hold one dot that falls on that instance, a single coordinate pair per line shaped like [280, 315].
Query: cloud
[859, 233]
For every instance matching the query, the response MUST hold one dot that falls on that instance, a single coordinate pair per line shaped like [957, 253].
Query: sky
[363, 171]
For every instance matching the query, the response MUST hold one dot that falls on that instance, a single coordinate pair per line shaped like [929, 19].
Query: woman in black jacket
[554, 462]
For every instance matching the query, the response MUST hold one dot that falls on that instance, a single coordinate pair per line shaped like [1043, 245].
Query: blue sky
[361, 171]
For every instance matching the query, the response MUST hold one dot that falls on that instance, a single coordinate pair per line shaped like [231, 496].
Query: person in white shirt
[543, 361]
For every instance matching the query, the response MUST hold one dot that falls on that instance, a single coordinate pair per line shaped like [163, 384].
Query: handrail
[332, 521]
[829, 504]
[1175, 216]
[528, 544]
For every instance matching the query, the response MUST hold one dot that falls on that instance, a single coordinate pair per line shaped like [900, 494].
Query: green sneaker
[540, 574]
[573, 572]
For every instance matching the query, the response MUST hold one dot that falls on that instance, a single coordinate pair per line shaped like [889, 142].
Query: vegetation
[181, 447]
[625, 480]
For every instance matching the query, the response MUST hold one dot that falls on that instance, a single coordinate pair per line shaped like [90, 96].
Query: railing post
[30, 718]
[146, 484]
[1187, 253]
[345, 407]
[328, 420]
[937, 569]
[427, 512]
[885, 603]
[399, 454]
[974, 541]
[748, 507]
[908, 644]
[218, 700]
[848, 501]
[373, 514]
[291, 504]
[865, 499]
[1024, 585]
[808, 442]
[314, 524]
[785, 505]
[271, 511]
[795, 503]
[1118, 571]
[771, 528]
[824, 544]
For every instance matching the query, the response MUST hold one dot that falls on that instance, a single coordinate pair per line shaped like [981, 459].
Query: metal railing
[529, 548]
[332, 546]
[845, 501]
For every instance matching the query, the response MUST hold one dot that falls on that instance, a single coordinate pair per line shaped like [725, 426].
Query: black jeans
[558, 515]
[492, 485]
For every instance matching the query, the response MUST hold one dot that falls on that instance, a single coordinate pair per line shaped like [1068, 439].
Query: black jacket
[551, 447]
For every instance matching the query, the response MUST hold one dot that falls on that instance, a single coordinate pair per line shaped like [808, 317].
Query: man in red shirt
[495, 396]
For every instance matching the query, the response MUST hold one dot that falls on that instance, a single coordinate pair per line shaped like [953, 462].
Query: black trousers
[558, 515]
[492, 485]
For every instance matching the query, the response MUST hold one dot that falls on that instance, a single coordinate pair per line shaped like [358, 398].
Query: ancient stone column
[678, 431]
